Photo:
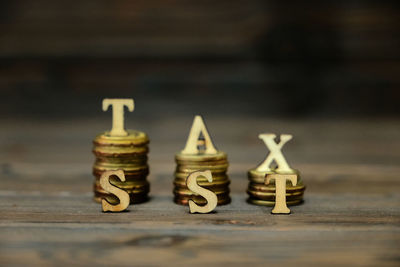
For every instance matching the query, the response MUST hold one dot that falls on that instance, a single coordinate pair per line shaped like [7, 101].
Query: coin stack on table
[216, 163]
[262, 194]
[127, 153]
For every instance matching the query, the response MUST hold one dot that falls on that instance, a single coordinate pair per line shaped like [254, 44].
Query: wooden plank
[350, 215]
[340, 229]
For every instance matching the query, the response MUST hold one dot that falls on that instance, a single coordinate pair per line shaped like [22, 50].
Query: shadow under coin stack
[127, 153]
[216, 163]
[262, 194]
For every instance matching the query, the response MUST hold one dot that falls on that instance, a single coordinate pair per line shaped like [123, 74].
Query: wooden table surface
[351, 214]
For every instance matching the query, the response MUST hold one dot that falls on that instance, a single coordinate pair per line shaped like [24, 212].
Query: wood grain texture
[351, 214]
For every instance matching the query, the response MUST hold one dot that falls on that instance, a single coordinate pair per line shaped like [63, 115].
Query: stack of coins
[127, 153]
[262, 194]
[188, 163]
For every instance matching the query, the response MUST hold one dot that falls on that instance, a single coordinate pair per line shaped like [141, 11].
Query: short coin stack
[127, 153]
[262, 194]
[188, 163]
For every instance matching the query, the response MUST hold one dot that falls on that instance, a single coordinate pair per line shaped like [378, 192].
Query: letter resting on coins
[210, 196]
[198, 127]
[121, 194]
[275, 153]
[280, 190]
[118, 105]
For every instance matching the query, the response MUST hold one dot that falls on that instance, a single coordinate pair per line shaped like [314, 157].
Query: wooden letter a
[198, 127]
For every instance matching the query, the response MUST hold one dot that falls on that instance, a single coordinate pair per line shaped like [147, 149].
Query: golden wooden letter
[210, 196]
[275, 153]
[280, 190]
[198, 127]
[118, 105]
[121, 194]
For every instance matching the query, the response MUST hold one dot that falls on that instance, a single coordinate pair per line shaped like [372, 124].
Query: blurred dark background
[253, 57]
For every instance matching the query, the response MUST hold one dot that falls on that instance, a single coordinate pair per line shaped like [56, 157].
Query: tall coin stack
[127, 153]
[121, 149]
[262, 194]
[201, 155]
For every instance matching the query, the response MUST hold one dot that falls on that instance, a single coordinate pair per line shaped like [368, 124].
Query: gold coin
[124, 167]
[185, 202]
[218, 190]
[141, 195]
[187, 192]
[288, 191]
[222, 200]
[128, 173]
[272, 192]
[204, 168]
[272, 199]
[259, 177]
[201, 157]
[212, 165]
[182, 183]
[144, 189]
[271, 188]
[272, 203]
[272, 183]
[216, 176]
[202, 163]
[261, 181]
[128, 178]
[108, 164]
[115, 160]
[127, 185]
[191, 194]
[288, 199]
[259, 174]
[202, 179]
[263, 195]
[134, 138]
[134, 198]
[200, 198]
[116, 152]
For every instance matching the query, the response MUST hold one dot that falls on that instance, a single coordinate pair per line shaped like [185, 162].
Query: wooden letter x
[275, 153]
